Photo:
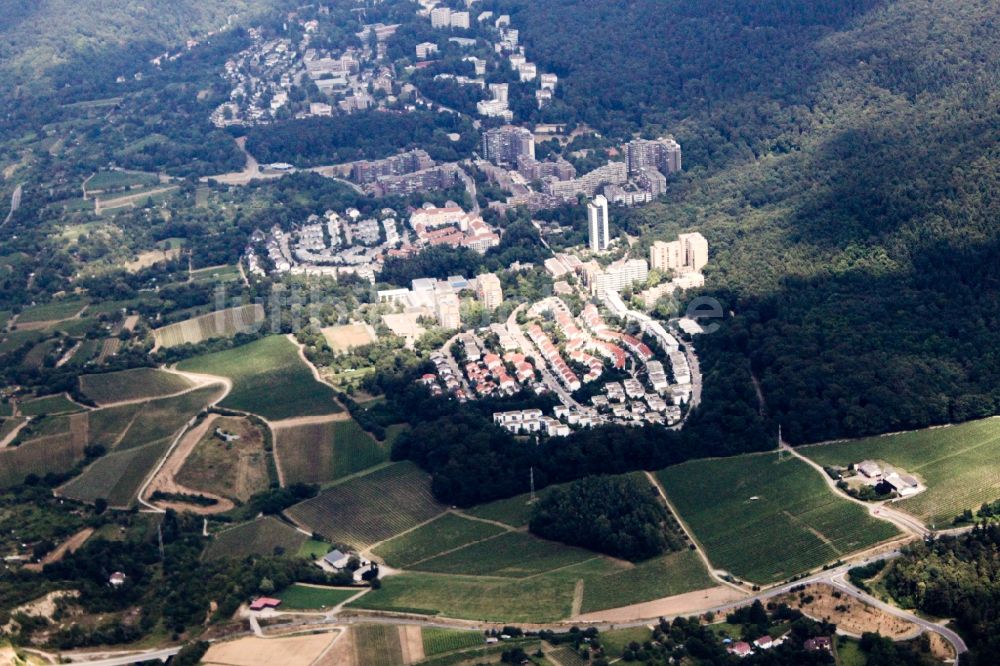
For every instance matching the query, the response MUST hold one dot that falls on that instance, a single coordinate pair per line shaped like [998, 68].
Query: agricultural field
[262, 370]
[219, 324]
[510, 555]
[438, 641]
[235, 469]
[165, 417]
[445, 533]
[136, 436]
[35, 358]
[956, 463]
[367, 509]
[13, 340]
[116, 476]
[378, 645]
[542, 599]
[137, 384]
[764, 519]
[88, 350]
[103, 181]
[51, 404]
[324, 452]
[56, 444]
[663, 576]
[263, 536]
[514, 511]
[216, 274]
[314, 597]
[54, 311]
[347, 337]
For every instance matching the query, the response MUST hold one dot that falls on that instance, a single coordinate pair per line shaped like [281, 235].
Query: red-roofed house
[740, 649]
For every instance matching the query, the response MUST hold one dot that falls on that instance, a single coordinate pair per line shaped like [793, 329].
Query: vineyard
[367, 509]
[957, 463]
[219, 324]
[445, 533]
[137, 384]
[262, 370]
[324, 452]
[439, 641]
[50, 404]
[765, 519]
[511, 555]
[378, 645]
[58, 448]
[264, 536]
[54, 311]
[117, 476]
[664, 576]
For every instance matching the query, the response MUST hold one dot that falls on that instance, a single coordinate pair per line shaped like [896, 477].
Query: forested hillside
[842, 161]
[36, 35]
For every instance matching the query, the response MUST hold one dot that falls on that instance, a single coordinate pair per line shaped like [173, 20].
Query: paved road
[529, 350]
[125, 660]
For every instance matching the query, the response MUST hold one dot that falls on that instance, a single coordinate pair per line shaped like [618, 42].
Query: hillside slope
[843, 163]
[36, 35]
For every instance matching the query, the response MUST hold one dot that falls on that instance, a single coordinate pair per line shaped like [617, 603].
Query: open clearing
[253, 651]
[347, 337]
[263, 536]
[138, 384]
[324, 452]
[219, 324]
[367, 509]
[269, 378]
[765, 519]
[236, 469]
[151, 258]
[957, 464]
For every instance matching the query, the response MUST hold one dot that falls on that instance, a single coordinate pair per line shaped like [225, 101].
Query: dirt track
[689, 603]
[165, 480]
[68, 546]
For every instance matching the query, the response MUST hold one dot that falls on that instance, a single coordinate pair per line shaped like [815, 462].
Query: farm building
[337, 559]
[870, 469]
[117, 579]
[260, 603]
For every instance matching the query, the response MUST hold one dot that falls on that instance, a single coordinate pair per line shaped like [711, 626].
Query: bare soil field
[293, 651]
[151, 258]
[848, 613]
[345, 338]
[681, 604]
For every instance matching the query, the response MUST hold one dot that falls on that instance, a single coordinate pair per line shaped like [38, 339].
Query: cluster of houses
[333, 244]
[452, 227]
[262, 76]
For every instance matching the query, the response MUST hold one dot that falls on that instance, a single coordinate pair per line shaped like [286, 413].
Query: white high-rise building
[597, 223]
[687, 254]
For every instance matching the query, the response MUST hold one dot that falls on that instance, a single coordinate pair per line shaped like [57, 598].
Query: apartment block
[687, 254]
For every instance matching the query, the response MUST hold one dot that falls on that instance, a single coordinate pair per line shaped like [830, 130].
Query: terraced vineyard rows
[324, 452]
[512, 555]
[264, 536]
[367, 509]
[222, 323]
[445, 533]
[131, 385]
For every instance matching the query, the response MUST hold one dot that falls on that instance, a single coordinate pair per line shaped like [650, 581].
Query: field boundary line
[375, 545]
[12, 435]
[699, 548]
[445, 553]
[578, 591]
[469, 516]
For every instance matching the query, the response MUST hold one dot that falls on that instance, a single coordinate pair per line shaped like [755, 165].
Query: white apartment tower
[597, 223]
[489, 291]
[687, 254]
[503, 145]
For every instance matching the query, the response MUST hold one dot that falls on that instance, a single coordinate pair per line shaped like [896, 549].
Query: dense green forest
[956, 577]
[622, 517]
[841, 161]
